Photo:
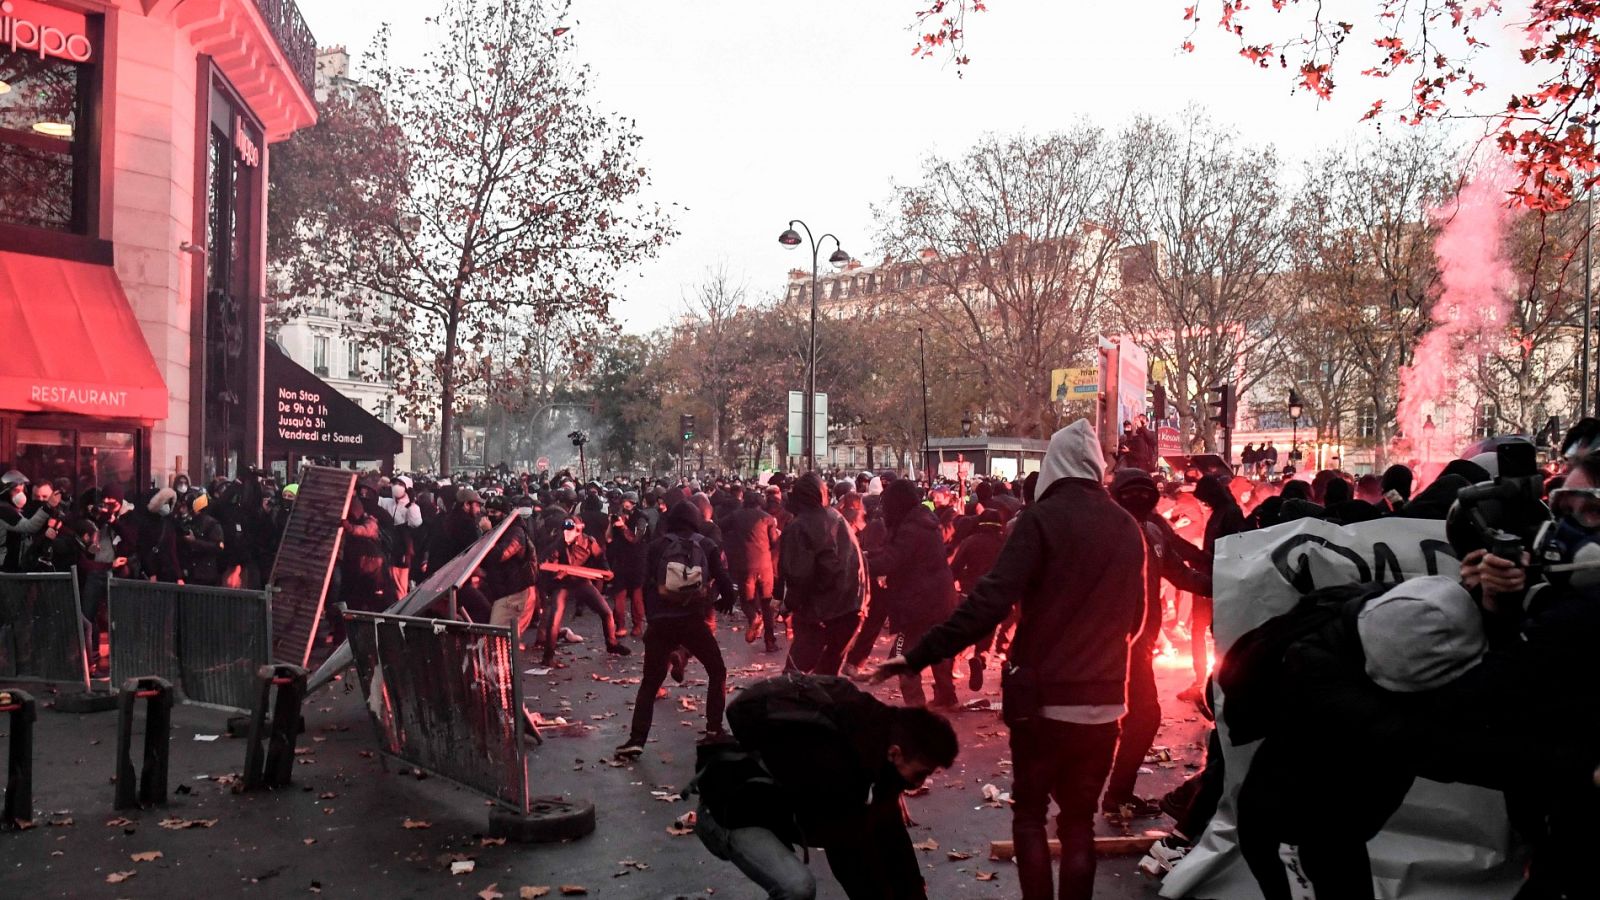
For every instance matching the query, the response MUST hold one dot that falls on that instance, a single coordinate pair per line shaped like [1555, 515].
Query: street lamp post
[791, 239]
[1296, 408]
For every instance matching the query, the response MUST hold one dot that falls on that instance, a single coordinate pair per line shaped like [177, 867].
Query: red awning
[72, 344]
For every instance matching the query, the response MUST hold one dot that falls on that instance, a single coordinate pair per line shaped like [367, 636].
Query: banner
[1447, 842]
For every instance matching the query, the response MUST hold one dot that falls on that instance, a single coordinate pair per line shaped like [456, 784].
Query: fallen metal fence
[209, 642]
[41, 629]
[445, 697]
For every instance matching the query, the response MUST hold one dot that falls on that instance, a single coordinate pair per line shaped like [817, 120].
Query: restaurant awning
[72, 342]
[307, 415]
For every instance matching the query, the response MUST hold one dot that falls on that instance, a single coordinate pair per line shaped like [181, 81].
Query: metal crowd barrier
[41, 629]
[445, 697]
[209, 642]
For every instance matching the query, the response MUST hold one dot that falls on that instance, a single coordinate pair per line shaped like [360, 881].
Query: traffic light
[1225, 405]
[686, 425]
[1158, 402]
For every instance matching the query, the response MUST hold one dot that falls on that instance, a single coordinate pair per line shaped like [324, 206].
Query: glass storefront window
[42, 142]
[87, 459]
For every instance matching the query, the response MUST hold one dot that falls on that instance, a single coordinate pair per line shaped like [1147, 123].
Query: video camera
[1503, 516]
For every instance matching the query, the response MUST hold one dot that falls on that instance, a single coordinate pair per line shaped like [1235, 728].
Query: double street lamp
[839, 259]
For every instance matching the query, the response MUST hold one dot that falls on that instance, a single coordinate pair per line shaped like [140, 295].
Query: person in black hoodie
[752, 549]
[674, 623]
[973, 559]
[819, 763]
[918, 585]
[821, 579]
[1178, 561]
[1075, 563]
[1225, 518]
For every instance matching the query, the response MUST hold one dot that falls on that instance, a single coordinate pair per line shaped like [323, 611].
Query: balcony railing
[294, 39]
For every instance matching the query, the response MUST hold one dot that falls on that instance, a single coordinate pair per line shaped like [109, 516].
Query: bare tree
[1201, 291]
[1012, 248]
[508, 191]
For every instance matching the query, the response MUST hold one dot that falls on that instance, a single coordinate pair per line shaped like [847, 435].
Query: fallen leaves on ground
[633, 864]
[120, 877]
[180, 824]
[957, 855]
[492, 842]
[929, 844]
[532, 892]
[492, 892]
[462, 866]
[308, 841]
[119, 822]
[25, 824]
[147, 856]
[417, 823]
[986, 876]
[60, 823]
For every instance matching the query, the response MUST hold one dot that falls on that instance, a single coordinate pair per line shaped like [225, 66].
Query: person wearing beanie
[821, 580]
[918, 585]
[1075, 564]
[1226, 518]
[200, 544]
[1396, 485]
[158, 538]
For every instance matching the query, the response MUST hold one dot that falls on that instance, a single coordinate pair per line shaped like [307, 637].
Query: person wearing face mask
[575, 549]
[1178, 561]
[406, 520]
[201, 543]
[158, 538]
[181, 487]
[816, 762]
[19, 521]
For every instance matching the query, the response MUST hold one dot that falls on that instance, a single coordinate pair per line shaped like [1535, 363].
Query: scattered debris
[416, 823]
[147, 856]
[491, 892]
[682, 825]
[929, 844]
[957, 855]
[985, 876]
[532, 892]
[180, 824]
[120, 877]
[462, 866]
[207, 737]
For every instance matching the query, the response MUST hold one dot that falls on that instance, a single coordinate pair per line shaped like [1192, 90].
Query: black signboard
[304, 414]
[300, 576]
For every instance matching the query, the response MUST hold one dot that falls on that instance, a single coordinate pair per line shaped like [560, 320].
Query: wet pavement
[357, 825]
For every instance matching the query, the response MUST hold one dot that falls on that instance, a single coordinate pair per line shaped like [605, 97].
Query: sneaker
[712, 738]
[1131, 808]
[752, 632]
[1163, 855]
[1194, 693]
[630, 750]
[618, 650]
[975, 672]
[568, 636]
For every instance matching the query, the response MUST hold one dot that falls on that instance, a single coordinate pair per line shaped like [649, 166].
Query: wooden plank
[304, 567]
[1115, 845]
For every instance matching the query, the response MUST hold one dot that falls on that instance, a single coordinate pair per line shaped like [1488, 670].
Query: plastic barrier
[41, 629]
[149, 787]
[21, 712]
[445, 697]
[208, 642]
[275, 766]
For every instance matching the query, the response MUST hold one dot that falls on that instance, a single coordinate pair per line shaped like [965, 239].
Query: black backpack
[683, 571]
[1251, 673]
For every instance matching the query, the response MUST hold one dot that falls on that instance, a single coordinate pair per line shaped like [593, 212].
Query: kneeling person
[820, 763]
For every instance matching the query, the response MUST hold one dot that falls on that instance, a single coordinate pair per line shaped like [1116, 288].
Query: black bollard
[19, 761]
[150, 787]
[275, 767]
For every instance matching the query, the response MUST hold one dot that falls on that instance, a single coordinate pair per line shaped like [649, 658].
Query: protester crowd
[1076, 577]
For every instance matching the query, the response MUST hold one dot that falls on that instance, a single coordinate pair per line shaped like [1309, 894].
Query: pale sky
[754, 113]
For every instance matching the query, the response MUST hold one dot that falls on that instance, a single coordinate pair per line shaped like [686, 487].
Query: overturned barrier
[441, 584]
[41, 629]
[445, 697]
[207, 642]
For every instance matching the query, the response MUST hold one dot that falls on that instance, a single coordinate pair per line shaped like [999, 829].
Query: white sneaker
[568, 636]
[1160, 860]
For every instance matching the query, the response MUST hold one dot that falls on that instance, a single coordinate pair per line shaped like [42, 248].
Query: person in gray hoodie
[1075, 563]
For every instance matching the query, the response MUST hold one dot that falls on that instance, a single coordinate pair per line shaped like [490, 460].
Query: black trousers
[1139, 726]
[662, 636]
[819, 647]
[867, 635]
[1067, 763]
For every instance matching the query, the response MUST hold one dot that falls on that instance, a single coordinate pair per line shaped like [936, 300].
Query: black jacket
[508, 568]
[823, 777]
[977, 552]
[920, 589]
[1075, 564]
[752, 543]
[821, 574]
[684, 520]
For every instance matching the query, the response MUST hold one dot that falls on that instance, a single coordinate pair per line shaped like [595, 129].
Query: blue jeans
[761, 855]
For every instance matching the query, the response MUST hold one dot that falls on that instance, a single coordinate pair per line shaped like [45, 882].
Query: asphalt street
[357, 825]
